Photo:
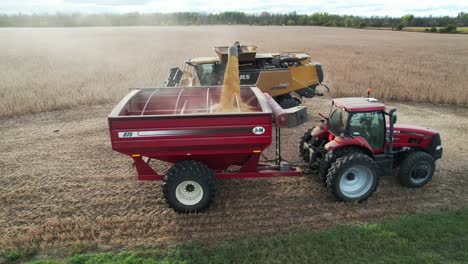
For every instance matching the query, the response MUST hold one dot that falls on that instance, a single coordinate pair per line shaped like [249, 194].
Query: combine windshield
[210, 74]
[338, 120]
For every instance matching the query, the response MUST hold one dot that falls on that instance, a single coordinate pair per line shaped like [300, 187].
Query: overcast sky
[350, 7]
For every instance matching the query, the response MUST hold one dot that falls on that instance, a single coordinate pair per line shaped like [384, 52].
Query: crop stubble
[69, 188]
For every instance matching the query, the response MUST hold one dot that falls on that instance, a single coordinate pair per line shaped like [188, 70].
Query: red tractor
[356, 144]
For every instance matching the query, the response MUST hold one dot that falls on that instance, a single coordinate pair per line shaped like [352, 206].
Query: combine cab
[286, 76]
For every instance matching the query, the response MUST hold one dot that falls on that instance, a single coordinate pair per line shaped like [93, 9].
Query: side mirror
[394, 118]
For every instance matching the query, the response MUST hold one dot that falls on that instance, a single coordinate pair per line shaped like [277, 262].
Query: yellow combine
[286, 76]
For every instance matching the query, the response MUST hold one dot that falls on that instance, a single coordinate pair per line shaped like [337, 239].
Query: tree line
[226, 18]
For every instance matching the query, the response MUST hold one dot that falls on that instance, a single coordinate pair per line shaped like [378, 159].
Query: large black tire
[352, 178]
[189, 186]
[304, 153]
[330, 158]
[417, 169]
[307, 92]
[286, 103]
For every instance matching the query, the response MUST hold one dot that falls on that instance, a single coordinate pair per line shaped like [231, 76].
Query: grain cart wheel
[416, 169]
[189, 186]
[352, 177]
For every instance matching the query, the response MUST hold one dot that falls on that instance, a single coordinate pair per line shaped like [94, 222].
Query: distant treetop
[225, 18]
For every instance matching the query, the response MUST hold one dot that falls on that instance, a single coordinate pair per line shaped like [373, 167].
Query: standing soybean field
[55, 68]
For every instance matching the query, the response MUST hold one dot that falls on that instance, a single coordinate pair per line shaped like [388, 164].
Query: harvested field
[61, 185]
[54, 68]
[67, 188]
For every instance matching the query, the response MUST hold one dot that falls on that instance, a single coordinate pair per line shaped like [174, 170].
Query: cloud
[349, 7]
[109, 2]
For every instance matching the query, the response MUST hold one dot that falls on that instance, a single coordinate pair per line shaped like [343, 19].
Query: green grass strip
[428, 238]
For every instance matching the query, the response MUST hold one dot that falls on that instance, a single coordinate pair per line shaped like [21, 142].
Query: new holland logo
[258, 130]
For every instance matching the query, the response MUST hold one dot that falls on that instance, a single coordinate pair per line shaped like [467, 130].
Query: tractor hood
[413, 129]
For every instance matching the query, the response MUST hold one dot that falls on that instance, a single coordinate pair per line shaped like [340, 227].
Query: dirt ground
[61, 186]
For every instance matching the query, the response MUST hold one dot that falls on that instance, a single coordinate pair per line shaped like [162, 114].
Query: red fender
[340, 142]
[321, 130]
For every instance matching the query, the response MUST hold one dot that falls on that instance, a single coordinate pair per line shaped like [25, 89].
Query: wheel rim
[356, 181]
[189, 192]
[420, 172]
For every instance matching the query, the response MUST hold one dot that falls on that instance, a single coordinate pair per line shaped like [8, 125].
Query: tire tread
[192, 168]
[407, 164]
[337, 166]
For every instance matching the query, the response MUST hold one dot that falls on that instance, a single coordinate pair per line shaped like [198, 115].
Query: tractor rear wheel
[352, 178]
[416, 169]
[189, 186]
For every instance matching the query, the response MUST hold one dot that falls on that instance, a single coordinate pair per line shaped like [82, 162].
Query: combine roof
[359, 104]
[203, 60]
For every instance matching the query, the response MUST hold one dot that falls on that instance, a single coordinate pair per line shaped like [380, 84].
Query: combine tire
[290, 102]
[352, 178]
[189, 186]
[416, 169]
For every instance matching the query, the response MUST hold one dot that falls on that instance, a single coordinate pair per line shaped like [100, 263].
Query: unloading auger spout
[230, 100]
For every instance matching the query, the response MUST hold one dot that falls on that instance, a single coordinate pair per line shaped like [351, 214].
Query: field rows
[57, 68]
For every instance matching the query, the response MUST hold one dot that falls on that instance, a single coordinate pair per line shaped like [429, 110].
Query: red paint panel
[175, 124]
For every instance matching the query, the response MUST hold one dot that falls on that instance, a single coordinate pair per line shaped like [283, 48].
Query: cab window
[338, 120]
[209, 74]
[369, 125]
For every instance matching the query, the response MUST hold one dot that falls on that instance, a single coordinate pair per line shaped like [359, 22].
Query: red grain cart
[177, 125]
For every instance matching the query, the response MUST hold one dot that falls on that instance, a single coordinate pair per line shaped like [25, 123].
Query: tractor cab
[359, 117]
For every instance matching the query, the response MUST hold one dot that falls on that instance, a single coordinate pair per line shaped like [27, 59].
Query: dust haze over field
[62, 185]
[56, 68]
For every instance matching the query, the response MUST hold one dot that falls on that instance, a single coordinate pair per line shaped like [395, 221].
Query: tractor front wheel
[303, 151]
[416, 169]
[330, 157]
[189, 186]
[352, 178]
[310, 149]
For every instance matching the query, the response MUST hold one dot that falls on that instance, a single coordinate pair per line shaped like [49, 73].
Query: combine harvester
[215, 132]
[286, 76]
